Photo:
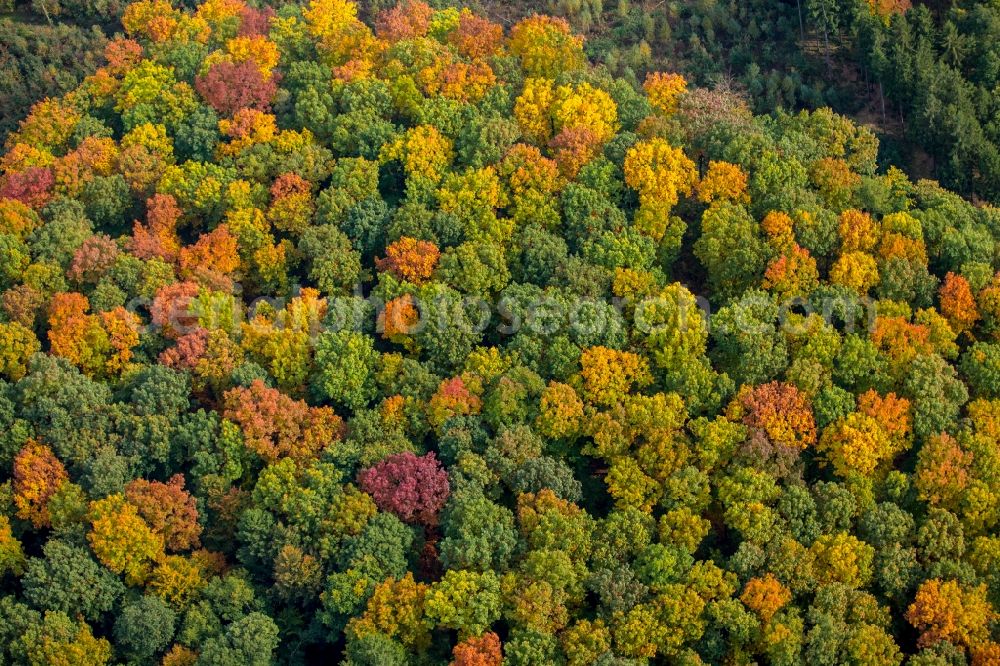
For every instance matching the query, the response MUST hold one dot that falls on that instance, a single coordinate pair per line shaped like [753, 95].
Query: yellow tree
[345, 43]
[947, 611]
[661, 174]
[396, 609]
[842, 558]
[560, 412]
[663, 90]
[17, 345]
[423, 151]
[724, 181]
[856, 443]
[608, 375]
[122, 540]
[856, 270]
[858, 231]
[546, 46]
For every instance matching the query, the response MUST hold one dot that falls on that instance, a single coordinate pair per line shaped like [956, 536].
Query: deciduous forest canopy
[411, 334]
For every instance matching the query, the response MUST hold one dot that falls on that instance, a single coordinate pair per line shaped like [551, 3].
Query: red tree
[32, 187]
[122, 54]
[171, 308]
[158, 237]
[93, 259]
[413, 487]
[476, 37]
[168, 509]
[255, 22]
[408, 19]
[190, 348]
[229, 87]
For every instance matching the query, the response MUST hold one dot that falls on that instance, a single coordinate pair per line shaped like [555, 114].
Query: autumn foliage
[479, 651]
[410, 259]
[168, 510]
[414, 488]
[38, 474]
[275, 425]
[781, 412]
[387, 333]
[229, 87]
[945, 611]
